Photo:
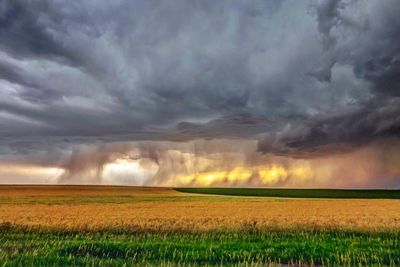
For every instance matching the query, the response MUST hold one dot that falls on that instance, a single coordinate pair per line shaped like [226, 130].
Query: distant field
[102, 225]
[297, 193]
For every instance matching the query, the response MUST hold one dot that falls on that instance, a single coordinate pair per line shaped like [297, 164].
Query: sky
[201, 93]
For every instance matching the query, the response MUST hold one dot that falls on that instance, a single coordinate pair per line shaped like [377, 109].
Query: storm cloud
[302, 79]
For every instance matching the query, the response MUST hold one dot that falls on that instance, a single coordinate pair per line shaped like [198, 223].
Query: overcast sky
[302, 79]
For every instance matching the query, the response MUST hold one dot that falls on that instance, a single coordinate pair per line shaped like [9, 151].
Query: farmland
[298, 193]
[135, 225]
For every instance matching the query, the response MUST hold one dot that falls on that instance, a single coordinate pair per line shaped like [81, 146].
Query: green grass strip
[248, 248]
[297, 193]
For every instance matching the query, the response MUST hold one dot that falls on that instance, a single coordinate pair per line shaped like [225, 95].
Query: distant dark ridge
[297, 193]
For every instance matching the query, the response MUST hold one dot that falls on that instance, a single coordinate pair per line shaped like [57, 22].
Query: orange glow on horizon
[264, 175]
[25, 173]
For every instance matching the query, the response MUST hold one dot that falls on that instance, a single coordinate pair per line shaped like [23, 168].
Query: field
[103, 225]
[298, 193]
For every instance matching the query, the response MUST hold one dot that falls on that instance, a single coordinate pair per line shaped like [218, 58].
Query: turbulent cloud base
[127, 91]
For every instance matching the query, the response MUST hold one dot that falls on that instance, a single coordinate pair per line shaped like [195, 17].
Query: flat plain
[115, 225]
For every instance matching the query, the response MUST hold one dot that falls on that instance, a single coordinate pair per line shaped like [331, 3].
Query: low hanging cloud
[339, 134]
[219, 162]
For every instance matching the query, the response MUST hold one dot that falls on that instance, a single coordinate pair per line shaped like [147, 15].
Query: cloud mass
[296, 79]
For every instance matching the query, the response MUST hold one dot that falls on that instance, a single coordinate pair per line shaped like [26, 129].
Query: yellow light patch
[273, 174]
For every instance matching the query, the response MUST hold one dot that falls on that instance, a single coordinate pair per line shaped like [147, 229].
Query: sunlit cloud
[126, 171]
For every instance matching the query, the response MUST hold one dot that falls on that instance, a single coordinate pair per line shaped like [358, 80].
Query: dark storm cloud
[25, 30]
[338, 134]
[375, 60]
[311, 77]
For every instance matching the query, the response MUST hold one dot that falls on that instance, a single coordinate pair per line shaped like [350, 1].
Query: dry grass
[190, 213]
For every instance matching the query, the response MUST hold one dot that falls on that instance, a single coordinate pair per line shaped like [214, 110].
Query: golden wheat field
[141, 208]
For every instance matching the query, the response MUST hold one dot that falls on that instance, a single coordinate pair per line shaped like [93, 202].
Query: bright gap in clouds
[27, 174]
[125, 171]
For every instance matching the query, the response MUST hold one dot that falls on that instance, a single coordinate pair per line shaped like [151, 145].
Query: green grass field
[248, 247]
[298, 193]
